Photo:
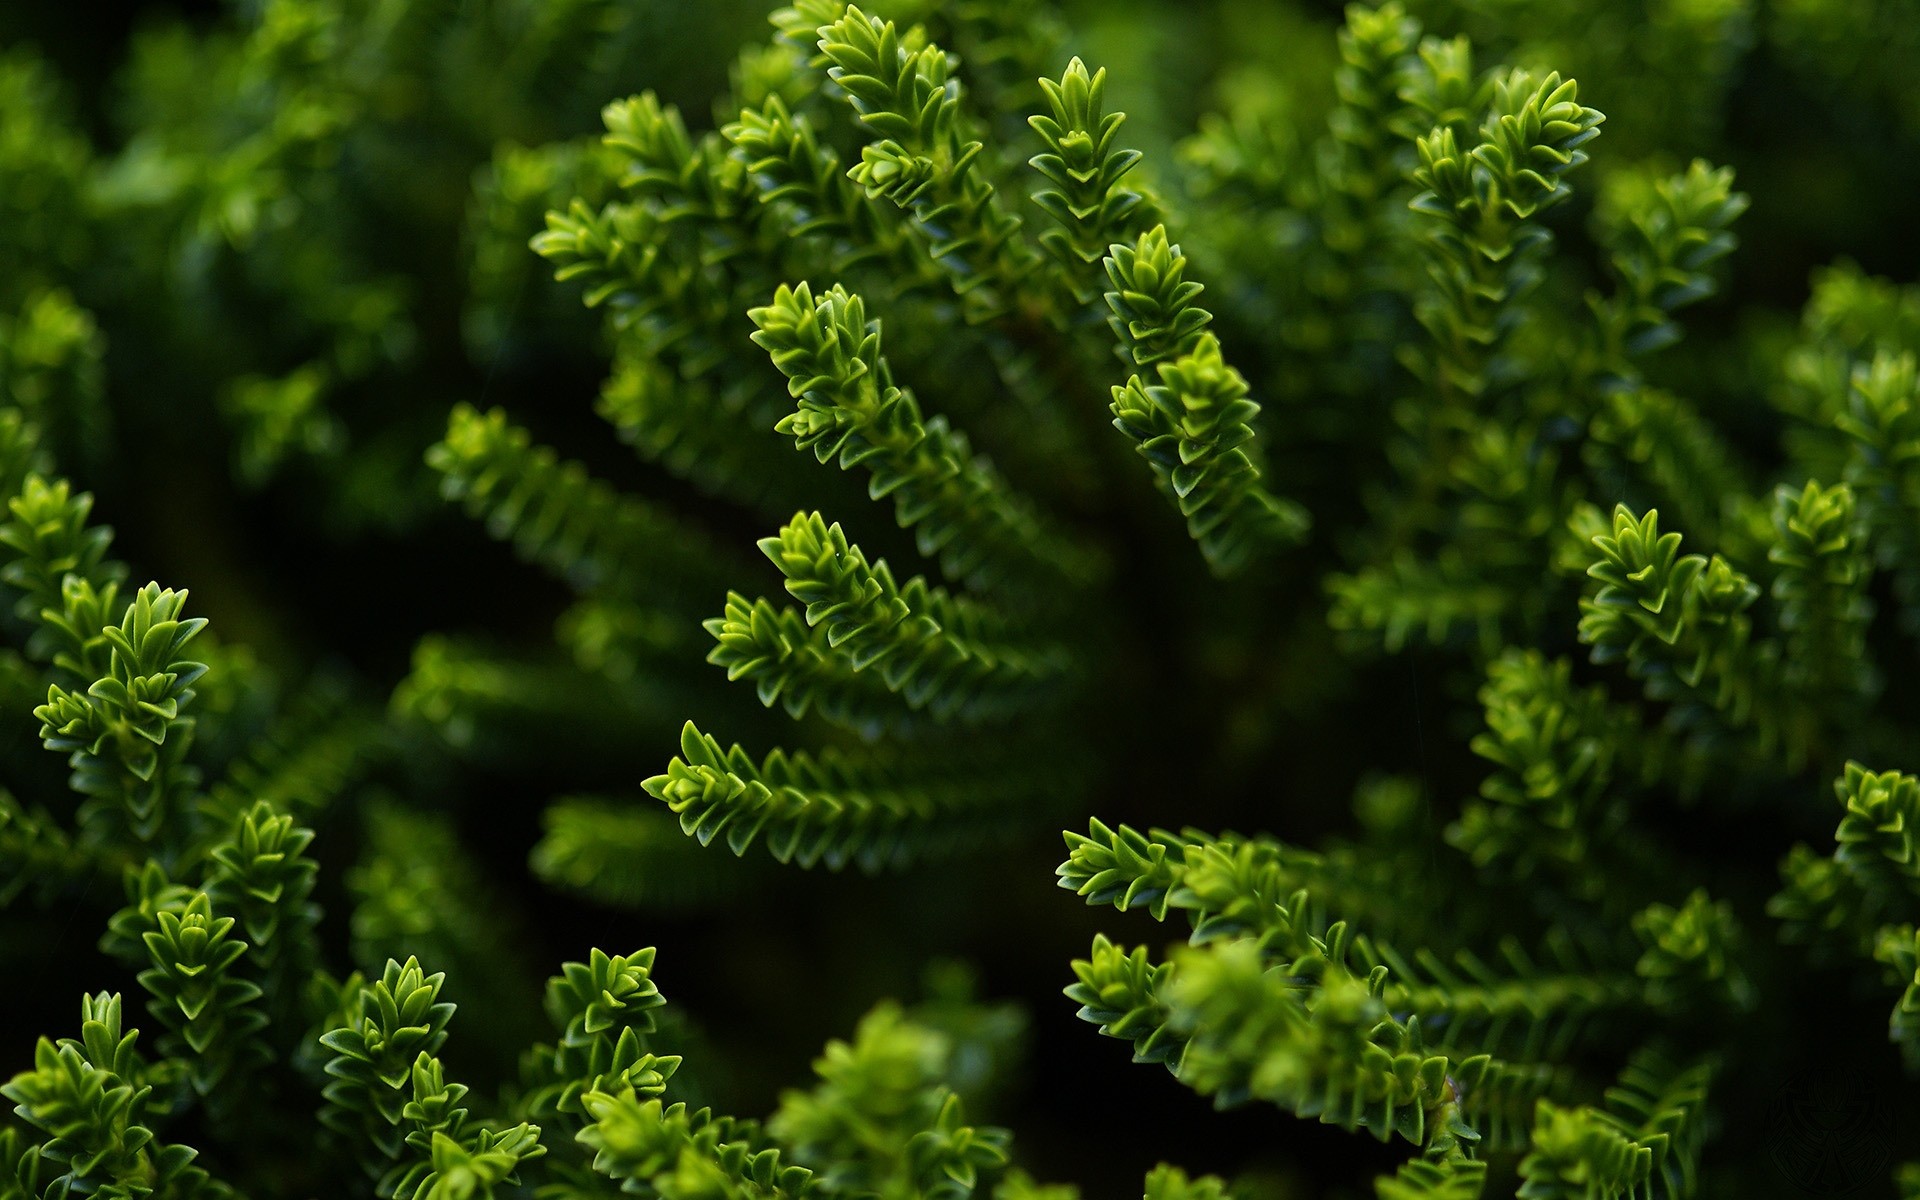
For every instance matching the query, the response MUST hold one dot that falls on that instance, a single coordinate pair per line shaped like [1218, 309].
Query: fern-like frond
[199, 991]
[1439, 1177]
[383, 1028]
[125, 735]
[1084, 166]
[960, 508]
[939, 651]
[1680, 624]
[829, 810]
[884, 1119]
[1195, 427]
[557, 515]
[1664, 236]
[926, 156]
[663, 1149]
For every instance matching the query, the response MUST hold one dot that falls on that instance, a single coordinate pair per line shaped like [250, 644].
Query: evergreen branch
[1377, 48]
[1259, 891]
[626, 258]
[489, 1159]
[450, 1159]
[1664, 236]
[1882, 422]
[926, 157]
[603, 1009]
[1536, 1009]
[1820, 588]
[1878, 841]
[960, 508]
[1440, 88]
[45, 539]
[1450, 1176]
[1154, 315]
[1870, 880]
[1194, 427]
[1653, 440]
[1665, 1105]
[662, 1150]
[803, 178]
[262, 876]
[1577, 1152]
[1644, 1144]
[884, 1120]
[688, 180]
[830, 809]
[91, 1096]
[149, 892]
[790, 663]
[1119, 991]
[1558, 752]
[382, 1028]
[1333, 1052]
[210, 1010]
[1690, 953]
[1166, 1182]
[1679, 623]
[1124, 867]
[1084, 167]
[1228, 886]
[576, 527]
[945, 653]
[124, 735]
[1483, 238]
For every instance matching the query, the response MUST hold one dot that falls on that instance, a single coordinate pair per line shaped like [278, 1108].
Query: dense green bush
[1530, 580]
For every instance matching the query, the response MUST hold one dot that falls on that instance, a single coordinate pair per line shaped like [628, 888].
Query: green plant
[1519, 582]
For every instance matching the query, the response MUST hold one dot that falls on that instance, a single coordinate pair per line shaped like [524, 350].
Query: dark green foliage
[925, 155]
[1192, 426]
[212, 1012]
[939, 651]
[116, 733]
[1435, 378]
[1085, 167]
[90, 1096]
[556, 515]
[851, 412]
[1678, 622]
[382, 1028]
[834, 809]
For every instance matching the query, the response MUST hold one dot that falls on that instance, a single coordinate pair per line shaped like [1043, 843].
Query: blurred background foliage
[295, 232]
